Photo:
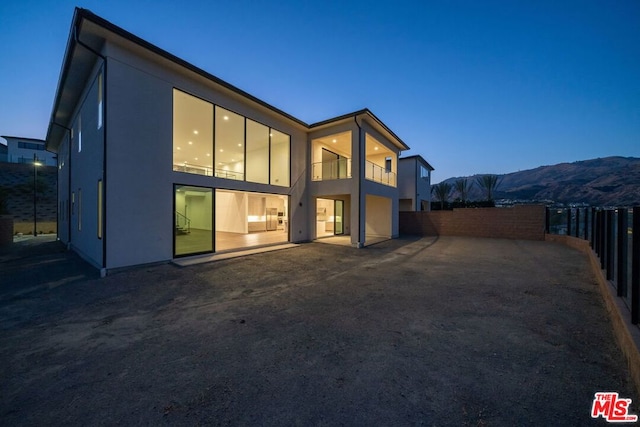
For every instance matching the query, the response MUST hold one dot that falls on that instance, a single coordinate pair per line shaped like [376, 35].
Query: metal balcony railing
[334, 169]
[379, 174]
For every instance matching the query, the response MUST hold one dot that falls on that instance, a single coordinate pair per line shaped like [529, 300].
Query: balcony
[377, 173]
[208, 171]
[330, 170]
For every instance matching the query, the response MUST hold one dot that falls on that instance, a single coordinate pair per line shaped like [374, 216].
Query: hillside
[609, 181]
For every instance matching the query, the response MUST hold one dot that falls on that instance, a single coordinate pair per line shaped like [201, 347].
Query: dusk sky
[472, 86]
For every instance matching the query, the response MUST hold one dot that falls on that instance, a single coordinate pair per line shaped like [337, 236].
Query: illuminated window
[99, 100]
[257, 152]
[229, 145]
[192, 134]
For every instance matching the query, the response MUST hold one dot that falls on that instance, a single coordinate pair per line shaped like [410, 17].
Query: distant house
[414, 182]
[22, 150]
[159, 159]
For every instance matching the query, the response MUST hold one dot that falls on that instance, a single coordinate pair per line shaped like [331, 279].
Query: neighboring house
[159, 159]
[22, 150]
[414, 181]
[3, 153]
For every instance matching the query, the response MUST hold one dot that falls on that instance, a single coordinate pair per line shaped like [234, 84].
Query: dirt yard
[455, 331]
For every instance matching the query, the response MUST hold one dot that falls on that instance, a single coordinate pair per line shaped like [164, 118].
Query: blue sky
[472, 86]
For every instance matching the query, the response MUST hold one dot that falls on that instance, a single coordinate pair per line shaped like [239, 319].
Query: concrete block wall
[525, 222]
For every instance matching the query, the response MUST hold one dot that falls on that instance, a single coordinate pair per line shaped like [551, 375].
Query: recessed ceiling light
[195, 158]
[195, 132]
[221, 150]
[220, 163]
[226, 117]
[334, 141]
[239, 145]
[208, 154]
[190, 142]
[375, 148]
[270, 134]
[178, 148]
[233, 160]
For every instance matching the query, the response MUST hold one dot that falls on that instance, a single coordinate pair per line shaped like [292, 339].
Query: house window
[99, 100]
[211, 140]
[387, 164]
[79, 209]
[99, 209]
[192, 134]
[193, 220]
[79, 134]
[424, 172]
[257, 149]
[229, 145]
[280, 158]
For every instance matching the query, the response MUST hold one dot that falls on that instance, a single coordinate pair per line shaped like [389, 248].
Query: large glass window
[235, 148]
[193, 220]
[192, 134]
[229, 144]
[280, 158]
[257, 152]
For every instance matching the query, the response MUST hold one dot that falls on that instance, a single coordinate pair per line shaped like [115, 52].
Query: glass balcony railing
[207, 171]
[377, 173]
[334, 169]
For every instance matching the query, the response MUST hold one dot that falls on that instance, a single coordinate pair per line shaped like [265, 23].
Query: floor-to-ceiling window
[229, 145]
[192, 134]
[331, 157]
[280, 158]
[245, 219]
[235, 148]
[257, 152]
[193, 220]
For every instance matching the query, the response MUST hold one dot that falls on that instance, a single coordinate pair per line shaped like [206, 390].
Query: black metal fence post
[635, 267]
[586, 223]
[601, 238]
[569, 222]
[593, 228]
[623, 253]
[577, 222]
[610, 251]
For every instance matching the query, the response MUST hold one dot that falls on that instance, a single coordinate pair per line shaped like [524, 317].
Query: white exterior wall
[140, 178]
[84, 168]
[411, 186]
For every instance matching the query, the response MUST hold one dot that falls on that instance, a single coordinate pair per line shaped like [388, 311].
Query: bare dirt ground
[455, 331]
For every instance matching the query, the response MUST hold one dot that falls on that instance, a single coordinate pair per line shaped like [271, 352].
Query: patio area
[448, 331]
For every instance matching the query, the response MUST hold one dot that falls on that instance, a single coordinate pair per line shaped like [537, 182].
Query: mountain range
[609, 181]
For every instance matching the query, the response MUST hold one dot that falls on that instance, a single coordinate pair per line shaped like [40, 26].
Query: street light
[35, 197]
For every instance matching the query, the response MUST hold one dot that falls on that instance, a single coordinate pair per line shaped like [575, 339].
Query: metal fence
[610, 233]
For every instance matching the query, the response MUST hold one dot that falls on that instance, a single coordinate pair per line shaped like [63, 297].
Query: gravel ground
[449, 331]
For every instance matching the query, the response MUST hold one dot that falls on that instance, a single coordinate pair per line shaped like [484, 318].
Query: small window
[387, 164]
[99, 100]
[99, 209]
[79, 209]
[79, 134]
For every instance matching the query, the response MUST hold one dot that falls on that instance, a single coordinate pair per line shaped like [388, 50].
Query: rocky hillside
[610, 181]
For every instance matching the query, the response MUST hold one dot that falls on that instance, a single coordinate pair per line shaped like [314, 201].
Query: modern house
[23, 150]
[158, 159]
[414, 182]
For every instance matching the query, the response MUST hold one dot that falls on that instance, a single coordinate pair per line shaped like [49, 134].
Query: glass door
[338, 212]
